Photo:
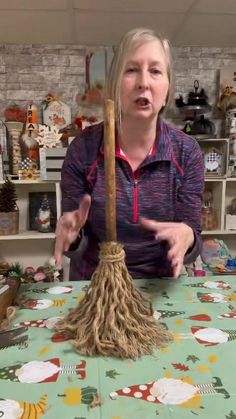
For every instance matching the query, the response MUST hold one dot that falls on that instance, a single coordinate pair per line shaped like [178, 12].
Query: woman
[159, 172]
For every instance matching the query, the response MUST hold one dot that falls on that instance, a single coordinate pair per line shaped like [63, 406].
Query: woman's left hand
[179, 236]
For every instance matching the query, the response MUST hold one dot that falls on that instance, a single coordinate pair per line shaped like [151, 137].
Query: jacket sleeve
[73, 176]
[189, 198]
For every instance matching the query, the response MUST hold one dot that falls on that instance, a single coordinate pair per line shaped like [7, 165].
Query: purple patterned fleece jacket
[167, 186]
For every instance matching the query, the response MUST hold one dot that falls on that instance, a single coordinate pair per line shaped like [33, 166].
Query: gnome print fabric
[210, 284]
[34, 372]
[212, 297]
[210, 336]
[12, 409]
[42, 304]
[170, 391]
[47, 323]
[54, 290]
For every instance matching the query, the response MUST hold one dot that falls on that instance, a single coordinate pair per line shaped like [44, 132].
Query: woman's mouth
[142, 102]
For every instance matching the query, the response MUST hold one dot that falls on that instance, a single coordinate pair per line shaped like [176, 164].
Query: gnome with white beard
[35, 372]
[170, 391]
[12, 409]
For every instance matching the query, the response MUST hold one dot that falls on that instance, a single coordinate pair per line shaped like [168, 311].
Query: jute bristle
[114, 318]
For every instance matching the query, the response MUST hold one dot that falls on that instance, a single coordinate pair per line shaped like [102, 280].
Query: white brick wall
[29, 72]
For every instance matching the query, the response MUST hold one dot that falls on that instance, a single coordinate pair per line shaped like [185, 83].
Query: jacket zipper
[135, 205]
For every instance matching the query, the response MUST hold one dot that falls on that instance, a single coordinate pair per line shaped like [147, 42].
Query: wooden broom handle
[110, 174]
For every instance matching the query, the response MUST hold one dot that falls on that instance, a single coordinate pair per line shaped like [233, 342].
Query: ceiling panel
[28, 27]
[107, 28]
[216, 6]
[103, 22]
[207, 30]
[33, 4]
[135, 5]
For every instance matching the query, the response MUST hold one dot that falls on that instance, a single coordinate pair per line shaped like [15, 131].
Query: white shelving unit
[29, 247]
[223, 189]
[32, 248]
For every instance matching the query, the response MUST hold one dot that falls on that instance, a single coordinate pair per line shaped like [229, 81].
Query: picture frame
[35, 200]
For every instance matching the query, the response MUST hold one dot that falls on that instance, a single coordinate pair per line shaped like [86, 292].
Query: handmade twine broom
[114, 318]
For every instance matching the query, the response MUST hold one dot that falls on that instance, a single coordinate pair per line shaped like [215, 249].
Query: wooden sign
[58, 114]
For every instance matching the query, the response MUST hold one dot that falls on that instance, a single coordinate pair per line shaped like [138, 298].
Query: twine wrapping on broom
[114, 318]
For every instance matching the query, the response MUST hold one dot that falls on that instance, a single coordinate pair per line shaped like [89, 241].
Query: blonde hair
[132, 40]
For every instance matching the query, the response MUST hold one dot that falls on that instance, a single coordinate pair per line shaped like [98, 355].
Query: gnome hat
[164, 390]
[230, 315]
[48, 323]
[137, 391]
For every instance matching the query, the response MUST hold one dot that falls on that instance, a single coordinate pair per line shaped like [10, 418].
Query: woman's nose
[142, 81]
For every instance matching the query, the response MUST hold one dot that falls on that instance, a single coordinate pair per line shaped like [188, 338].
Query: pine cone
[8, 197]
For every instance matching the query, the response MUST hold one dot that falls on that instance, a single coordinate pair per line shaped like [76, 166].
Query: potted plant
[9, 212]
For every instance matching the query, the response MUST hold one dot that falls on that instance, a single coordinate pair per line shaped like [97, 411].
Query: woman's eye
[131, 70]
[155, 71]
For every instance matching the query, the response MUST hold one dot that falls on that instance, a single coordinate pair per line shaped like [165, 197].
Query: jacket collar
[162, 149]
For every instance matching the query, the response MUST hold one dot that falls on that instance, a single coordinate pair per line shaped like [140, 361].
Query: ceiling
[207, 23]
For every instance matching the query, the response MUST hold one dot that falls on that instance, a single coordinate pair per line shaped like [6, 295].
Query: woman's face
[144, 84]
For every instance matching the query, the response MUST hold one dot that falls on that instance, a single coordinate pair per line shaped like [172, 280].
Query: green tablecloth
[193, 376]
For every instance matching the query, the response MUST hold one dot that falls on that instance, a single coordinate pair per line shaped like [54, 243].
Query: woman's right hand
[69, 226]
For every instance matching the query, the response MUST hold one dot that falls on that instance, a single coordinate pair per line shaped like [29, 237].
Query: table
[192, 377]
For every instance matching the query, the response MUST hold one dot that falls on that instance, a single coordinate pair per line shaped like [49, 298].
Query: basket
[9, 223]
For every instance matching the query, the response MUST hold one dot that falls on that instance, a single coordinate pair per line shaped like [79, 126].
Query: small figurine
[31, 132]
[44, 216]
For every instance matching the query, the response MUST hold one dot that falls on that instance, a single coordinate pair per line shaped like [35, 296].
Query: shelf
[218, 232]
[214, 178]
[219, 178]
[29, 235]
[215, 140]
[196, 109]
[31, 182]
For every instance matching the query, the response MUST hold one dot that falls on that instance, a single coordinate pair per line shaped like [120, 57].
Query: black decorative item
[197, 100]
[194, 109]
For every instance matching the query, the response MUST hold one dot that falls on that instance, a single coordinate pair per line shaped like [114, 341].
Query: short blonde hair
[131, 40]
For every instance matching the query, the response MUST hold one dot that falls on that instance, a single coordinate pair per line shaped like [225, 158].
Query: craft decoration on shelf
[55, 112]
[1, 164]
[49, 272]
[14, 113]
[4, 147]
[194, 109]
[29, 170]
[213, 161]
[35, 200]
[14, 121]
[43, 219]
[232, 166]
[48, 136]
[208, 213]
[9, 212]
[231, 216]
[90, 102]
[230, 123]
[227, 99]
[83, 121]
[232, 149]
[214, 253]
[31, 132]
